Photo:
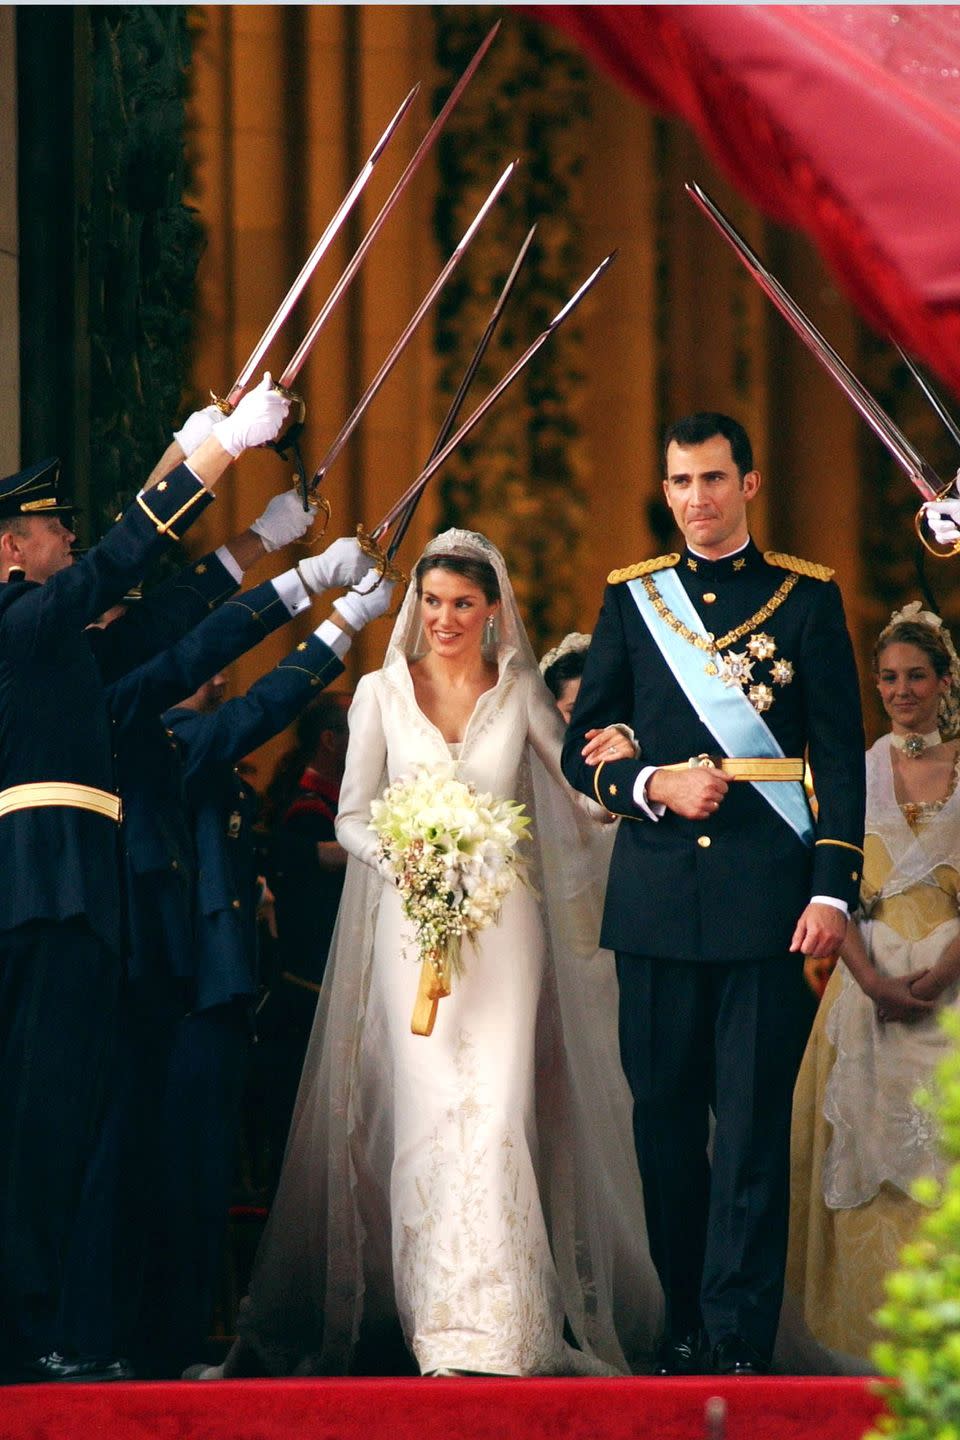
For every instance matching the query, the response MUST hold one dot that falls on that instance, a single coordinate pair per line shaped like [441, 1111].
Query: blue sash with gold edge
[723, 709]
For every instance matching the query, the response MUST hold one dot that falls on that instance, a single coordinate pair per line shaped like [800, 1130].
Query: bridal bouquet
[452, 854]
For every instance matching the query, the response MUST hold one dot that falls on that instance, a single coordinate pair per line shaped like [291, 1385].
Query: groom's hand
[820, 930]
[695, 794]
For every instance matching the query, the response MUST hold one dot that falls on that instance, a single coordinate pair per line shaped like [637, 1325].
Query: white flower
[451, 851]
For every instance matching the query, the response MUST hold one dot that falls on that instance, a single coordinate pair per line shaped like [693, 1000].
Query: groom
[730, 665]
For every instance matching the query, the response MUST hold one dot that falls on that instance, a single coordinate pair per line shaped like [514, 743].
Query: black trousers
[726, 1036]
[58, 995]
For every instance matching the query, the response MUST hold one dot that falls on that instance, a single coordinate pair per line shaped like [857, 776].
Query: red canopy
[843, 121]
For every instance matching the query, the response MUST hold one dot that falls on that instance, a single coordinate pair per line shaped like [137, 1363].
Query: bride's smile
[453, 613]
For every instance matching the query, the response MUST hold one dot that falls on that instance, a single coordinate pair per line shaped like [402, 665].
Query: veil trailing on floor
[324, 1264]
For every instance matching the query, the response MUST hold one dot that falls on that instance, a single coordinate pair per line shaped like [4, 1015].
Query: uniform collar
[744, 559]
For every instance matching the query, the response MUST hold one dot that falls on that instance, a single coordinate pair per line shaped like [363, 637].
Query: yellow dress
[850, 1213]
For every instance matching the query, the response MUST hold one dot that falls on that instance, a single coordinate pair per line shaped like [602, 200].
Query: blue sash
[723, 709]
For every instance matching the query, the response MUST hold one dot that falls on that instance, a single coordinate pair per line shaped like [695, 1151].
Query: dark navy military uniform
[60, 913]
[203, 1080]
[160, 873]
[701, 915]
[307, 899]
[158, 870]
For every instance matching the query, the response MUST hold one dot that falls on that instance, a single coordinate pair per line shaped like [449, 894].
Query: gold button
[235, 904]
[709, 598]
[854, 875]
[302, 645]
[174, 864]
[315, 680]
[201, 569]
[703, 841]
[612, 789]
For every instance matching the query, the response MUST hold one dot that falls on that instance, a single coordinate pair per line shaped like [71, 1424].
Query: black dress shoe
[683, 1356]
[89, 1368]
[733, 1356]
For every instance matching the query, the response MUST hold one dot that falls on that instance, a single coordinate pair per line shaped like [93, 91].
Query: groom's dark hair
[479, 572]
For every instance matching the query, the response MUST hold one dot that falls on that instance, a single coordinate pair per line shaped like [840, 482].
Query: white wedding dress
[481, 1181]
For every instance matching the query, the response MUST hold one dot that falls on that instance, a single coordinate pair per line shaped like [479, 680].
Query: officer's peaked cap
[34, 491]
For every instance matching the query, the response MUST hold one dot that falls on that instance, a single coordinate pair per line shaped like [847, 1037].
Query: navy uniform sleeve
[162, 617]
[605, 698]
[834, 725]
[220, 638]
[74, 597]
[241, 724]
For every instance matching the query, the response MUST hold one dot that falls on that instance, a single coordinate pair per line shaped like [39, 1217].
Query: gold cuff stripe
[596, 785]
[736, 768]
[165, 526]
[844, 845]
[41, 793]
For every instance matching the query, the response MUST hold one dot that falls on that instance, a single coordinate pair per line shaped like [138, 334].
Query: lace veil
[324, 1267]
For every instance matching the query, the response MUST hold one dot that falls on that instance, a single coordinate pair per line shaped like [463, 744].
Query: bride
[479, 1183]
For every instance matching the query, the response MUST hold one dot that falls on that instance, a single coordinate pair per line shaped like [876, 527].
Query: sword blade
[413, 165]
[936, 400]
[432, 466]
[315, 256]
[476, 360]
[399, 345]
[918, 472]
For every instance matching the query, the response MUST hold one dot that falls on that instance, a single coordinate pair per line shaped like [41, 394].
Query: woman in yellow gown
[859, 1140]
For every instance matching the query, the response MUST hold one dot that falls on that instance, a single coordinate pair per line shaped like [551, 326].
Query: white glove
[943, 519]
[371, 602]
[197, 428]
[342, 563]
[283, 520]
[259, 417]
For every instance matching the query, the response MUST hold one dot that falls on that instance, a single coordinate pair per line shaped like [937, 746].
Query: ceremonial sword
[397, 349]
[450, 418]
[920, 474]
[313, 260]
[413, 165]
[369, 542]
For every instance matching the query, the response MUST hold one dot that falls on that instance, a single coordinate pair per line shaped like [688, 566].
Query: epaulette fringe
[643, 567]
[799, 567]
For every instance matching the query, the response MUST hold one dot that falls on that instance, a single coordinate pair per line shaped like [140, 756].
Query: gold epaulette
[799, 567]
[643, 567]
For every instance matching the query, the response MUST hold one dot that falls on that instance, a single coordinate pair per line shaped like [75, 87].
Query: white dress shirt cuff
[229, 562]
[830, 900]
[653, 809]
[332, 635]
[292, 591]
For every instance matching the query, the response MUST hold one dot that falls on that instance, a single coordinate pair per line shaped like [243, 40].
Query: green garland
[922, 1312]
[521, 478]
[143, 242]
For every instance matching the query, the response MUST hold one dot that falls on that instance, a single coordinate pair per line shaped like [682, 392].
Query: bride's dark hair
[479, 572]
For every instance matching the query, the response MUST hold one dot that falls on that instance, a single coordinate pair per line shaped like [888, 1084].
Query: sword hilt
[385, 567]
[925, 541]
[222, 403]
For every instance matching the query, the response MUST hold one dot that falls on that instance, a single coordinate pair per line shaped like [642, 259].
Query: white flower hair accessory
[572, 642]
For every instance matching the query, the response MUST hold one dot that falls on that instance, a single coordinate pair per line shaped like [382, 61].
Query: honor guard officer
[60, 922]
[198, 1085]
[159, 880]
[730, 665]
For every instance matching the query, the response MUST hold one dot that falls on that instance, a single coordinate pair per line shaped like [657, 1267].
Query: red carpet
[476, 1409]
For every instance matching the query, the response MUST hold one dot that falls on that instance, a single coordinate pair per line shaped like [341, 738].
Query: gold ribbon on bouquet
[436, 971]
